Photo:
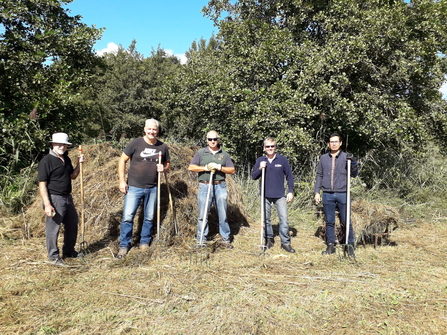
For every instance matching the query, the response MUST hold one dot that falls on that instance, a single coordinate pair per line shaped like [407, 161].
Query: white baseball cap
[60, 138]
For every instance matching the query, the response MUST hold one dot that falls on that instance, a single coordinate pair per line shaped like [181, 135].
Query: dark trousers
[66, 214]
[330, 202]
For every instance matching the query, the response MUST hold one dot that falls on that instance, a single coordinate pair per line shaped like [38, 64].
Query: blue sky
[172, 24]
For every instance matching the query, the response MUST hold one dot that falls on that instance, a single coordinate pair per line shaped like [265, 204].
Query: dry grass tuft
[103, 202]
[372, 223]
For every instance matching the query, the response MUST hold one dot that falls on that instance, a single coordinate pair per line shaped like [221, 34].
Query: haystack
[103, 202]
[372, 222]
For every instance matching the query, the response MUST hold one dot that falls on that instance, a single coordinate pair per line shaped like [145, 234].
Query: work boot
[350, 249]
[226, 244]
[329, 250]
[57, 261]
[144, 246]
[122, 253]
[288, 248]
[73, 254]
[269, 243]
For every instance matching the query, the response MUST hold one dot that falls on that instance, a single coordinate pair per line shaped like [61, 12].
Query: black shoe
[269, 243]
[73, 254]
[329, 250]
[288, 248]
[350, 250]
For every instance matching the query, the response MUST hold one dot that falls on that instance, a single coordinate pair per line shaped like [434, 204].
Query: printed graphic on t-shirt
[148, 152]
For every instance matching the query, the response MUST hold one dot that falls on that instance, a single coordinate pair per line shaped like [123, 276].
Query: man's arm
[196, 168]
[256, 173]
[76, 171]
[49, 210]
[122, 173]
[290, 181]
[318, 181]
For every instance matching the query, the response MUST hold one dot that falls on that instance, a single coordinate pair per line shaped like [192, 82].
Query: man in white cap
[141, 183]
[55, 174]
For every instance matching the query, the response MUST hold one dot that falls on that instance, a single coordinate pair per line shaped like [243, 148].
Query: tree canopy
[301, 69]
[46, 56]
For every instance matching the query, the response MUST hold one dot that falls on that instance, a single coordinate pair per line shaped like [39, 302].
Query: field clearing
[399, 289]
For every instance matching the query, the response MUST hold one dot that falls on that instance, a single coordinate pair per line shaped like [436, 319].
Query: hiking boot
[226, 244]
[329, 250]
[144, 246]
[350, 250]
[288, 248]
[73, 254]
[269, 243]
[122, 253]
[57, 261]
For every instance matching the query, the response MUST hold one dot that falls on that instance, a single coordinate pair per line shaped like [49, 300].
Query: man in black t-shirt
[55, 174]
[141, 183]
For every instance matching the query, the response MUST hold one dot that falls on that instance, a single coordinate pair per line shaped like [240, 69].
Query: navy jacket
[323, 179]
[274, 176]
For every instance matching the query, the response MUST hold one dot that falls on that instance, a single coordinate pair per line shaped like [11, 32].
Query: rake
[83, 245]
[346, 250]
[262, 239]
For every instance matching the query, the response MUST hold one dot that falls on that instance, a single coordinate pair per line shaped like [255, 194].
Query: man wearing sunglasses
[213, 158]
[276, 169]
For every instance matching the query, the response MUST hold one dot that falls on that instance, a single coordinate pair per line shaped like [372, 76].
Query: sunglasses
[213, 139]
[269, 146]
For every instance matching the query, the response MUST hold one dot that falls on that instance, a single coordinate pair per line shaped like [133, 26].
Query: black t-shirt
[56, 173]
[143, 162]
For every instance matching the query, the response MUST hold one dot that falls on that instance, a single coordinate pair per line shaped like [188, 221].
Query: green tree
[128, 90]
[300, 69]
[46, 56]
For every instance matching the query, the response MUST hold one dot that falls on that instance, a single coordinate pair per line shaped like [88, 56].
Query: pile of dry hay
[103, 202]
[372, 222]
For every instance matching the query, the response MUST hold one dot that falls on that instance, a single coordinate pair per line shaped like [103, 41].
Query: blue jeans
[218, 195]
[132, 201]
[281, 209]
[330, 202]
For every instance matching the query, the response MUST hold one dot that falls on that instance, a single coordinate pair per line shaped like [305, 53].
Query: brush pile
[372, 223]
[103, 202]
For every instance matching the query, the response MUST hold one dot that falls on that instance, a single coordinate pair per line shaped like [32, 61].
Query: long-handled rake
[158, 198]
[205, 211]
[262, 239]
[348, 249]
[158, 243]
[171, 205]
[200, 246]
[83, 246]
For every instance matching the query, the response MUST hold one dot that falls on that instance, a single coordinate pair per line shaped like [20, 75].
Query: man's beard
[60, 152]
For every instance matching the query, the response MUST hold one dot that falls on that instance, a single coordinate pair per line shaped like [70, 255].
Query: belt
[215, 182]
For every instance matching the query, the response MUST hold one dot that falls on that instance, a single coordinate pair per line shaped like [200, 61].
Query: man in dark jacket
[277, 168]
[55, 174]
[332, 180]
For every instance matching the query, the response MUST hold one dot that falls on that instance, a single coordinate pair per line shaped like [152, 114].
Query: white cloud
[443, 90]
[111, 48]
[181, 57]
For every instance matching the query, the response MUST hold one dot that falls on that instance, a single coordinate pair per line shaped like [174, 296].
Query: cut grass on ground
[399, 289]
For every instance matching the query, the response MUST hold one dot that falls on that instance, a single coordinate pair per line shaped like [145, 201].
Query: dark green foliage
[45, 58]
[299, 70]
[128, 90]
